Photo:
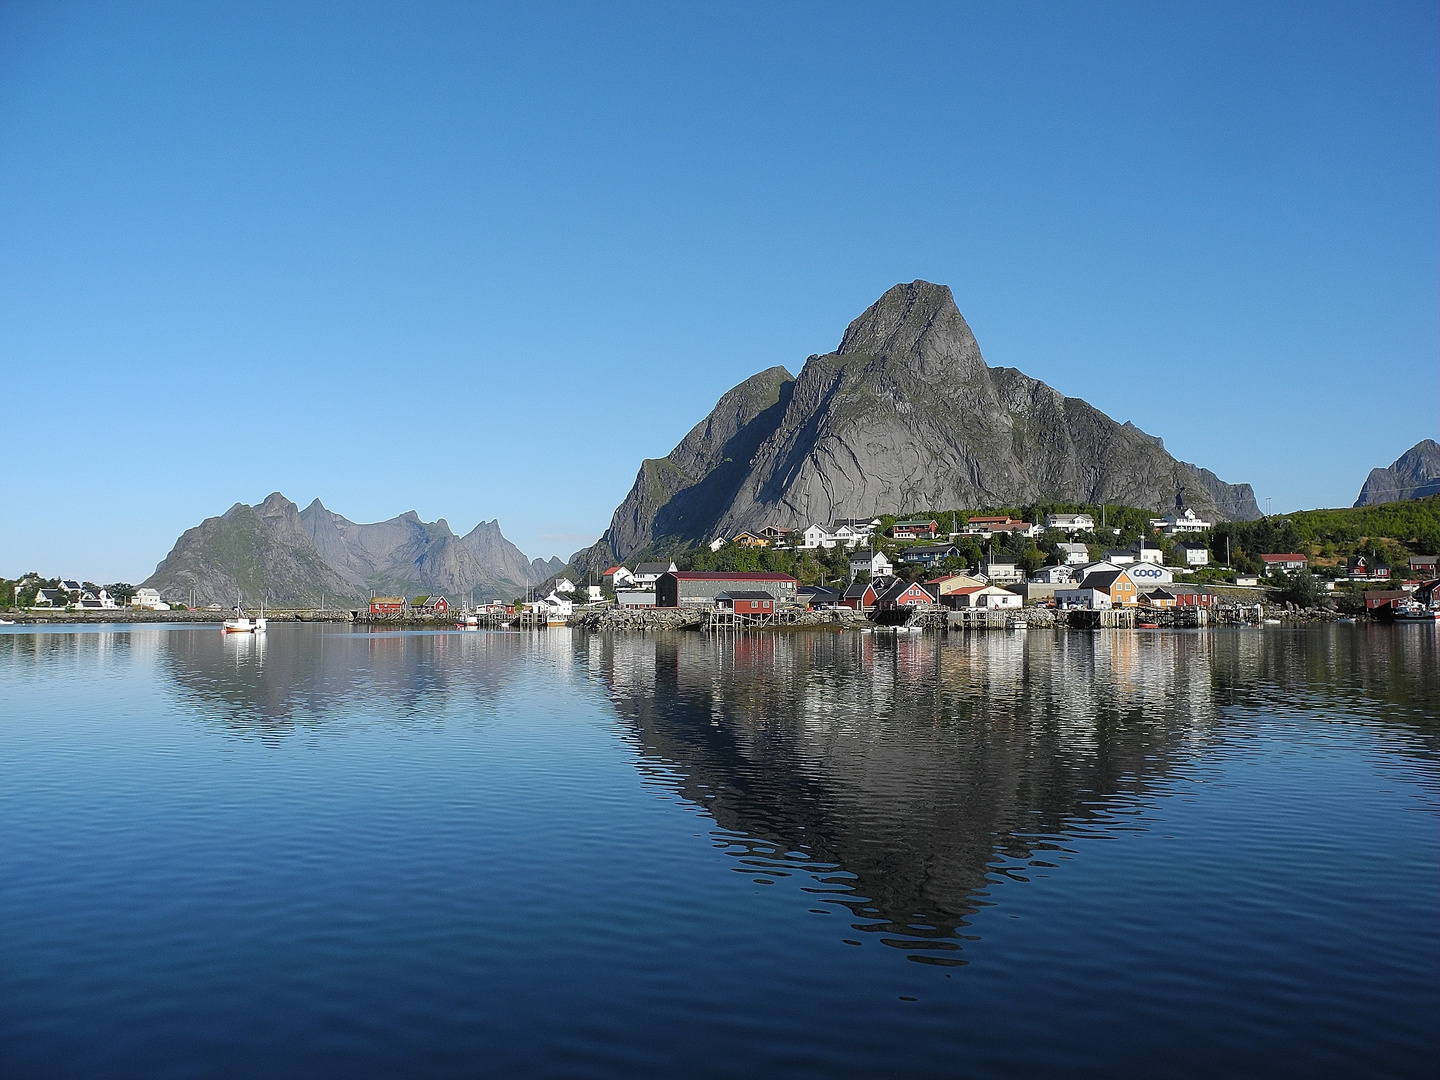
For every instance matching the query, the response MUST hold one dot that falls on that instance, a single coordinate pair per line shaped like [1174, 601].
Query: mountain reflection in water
[905, 774]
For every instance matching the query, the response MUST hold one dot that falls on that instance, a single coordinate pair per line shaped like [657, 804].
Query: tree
[1299, 588]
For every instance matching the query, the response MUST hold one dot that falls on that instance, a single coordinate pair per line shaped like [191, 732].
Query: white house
[1120, 556]
[1002, 571]
[717, 543]
[565, 586]
[100, 600]
[874, 562]
[850, 535]
[1181, 521]
[1070, 523]
[618, 577]
[1073, 554]
[592, 593]
[556, 606]
[1092, 599]
[647, 573]
[983, 596]
[150, 599]
[817, 536]
[1191, 554]
[1054, 575]
[50, 598]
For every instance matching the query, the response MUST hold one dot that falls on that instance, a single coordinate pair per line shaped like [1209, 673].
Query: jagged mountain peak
[286, 555]
[919, 323]
[1413, 475]
[904, 416]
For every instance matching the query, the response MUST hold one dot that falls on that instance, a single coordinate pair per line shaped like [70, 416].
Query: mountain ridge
[288, 556]
[1413, 475]
[904, 415]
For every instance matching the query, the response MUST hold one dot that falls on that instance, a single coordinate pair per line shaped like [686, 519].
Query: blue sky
[478, 261]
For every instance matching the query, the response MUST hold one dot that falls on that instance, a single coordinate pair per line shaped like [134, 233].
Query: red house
[861, 595]
[387, 605]
[915, 529]
[436, 605]
[904, 594]
[744, 602]
[1289, 562]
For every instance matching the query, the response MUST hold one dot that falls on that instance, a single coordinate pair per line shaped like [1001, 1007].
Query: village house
[45, 598]
[915, 529]
[148, 599]
[1054, 575]
[565, 586]
[617, 577]
[1158, 598]
[749, 540]
[1424, 564]
[99, 600]
[1001, 571]
[929, 554]
[1289, 563]
[817, 536]
[817, 596]
[433, 605]
[904, 594]
[982, 596]
[1181, 521]
[873, 563]
[1358, 566]
[1117, 586]
[693, 588]
[746, 602]
[1082, 597]
[1191, 554]
[948, 583]
[773, 534]
[861, 595]
[999, 526]
[716, 544]
[1073, 554]
[387, 605]
[1070, 523]
[634, 598]
[648, 573]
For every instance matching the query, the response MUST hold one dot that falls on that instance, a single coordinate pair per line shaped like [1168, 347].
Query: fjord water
[331, 852]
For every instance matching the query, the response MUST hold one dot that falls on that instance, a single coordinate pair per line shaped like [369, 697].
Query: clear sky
[479, 260]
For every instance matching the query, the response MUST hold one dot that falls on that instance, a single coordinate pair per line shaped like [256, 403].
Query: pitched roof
[728, 575]
[1102, 579]
[1293, 556]
[612, 570]
[898, 588]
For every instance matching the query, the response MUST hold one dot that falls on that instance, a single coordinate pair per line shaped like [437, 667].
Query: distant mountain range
[1413, 475]
[904, 416]
[290, 556]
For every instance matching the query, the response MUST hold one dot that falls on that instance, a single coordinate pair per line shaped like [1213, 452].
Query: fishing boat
[7, 622]
[245, 624]
[1414, 611]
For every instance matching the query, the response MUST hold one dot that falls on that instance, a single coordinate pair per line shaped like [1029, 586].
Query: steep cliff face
[298, 557]
[1413, 475]
[904, 415]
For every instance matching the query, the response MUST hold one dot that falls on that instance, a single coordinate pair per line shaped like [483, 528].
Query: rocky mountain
[1413, 475]
[905, 415]
[290, 556]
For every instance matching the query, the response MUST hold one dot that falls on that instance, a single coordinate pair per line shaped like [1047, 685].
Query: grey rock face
[1413, 475]
[296, 557]
[904, 415]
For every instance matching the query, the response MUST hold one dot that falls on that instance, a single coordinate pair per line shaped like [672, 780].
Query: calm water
[333, 853]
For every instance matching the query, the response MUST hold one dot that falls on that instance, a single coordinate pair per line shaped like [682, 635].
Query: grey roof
[898, 586]
[1101, 580]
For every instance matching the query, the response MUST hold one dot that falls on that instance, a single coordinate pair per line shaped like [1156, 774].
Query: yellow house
[750, 540]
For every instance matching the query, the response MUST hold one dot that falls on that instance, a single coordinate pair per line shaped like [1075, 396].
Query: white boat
[244, 624]
[7, 622]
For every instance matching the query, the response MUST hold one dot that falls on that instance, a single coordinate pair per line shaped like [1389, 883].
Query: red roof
[612, 570]
[705, 575]
[1293, 556]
